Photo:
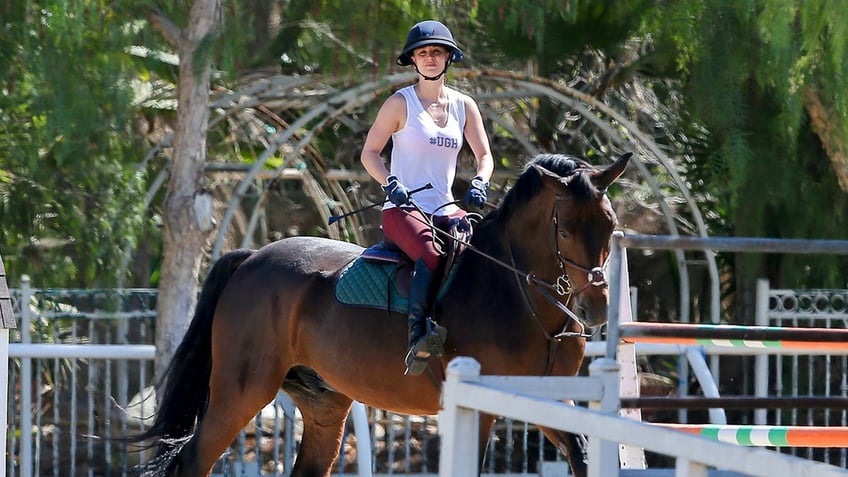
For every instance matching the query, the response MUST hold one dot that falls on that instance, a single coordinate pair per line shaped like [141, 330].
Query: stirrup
[432, 344]
[414, 364]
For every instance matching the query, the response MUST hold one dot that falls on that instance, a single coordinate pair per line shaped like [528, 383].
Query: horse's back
[268, 286]
[273, 300]
[303, 255]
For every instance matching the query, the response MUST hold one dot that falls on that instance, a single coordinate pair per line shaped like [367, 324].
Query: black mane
[529, 183]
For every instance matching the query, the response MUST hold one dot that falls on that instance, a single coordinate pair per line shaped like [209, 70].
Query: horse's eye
[563, 234]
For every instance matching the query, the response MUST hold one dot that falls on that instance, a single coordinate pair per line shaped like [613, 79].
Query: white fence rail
[99, 386]
[87, 353]
[466, 393]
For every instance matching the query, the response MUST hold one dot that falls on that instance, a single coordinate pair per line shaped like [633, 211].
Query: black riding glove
[397, 193]
[476, 194]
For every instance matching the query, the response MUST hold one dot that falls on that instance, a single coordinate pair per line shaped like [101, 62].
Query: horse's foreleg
[573, 446]
[485, 426]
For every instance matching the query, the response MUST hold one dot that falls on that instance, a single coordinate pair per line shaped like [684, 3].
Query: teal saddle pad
[374, 284]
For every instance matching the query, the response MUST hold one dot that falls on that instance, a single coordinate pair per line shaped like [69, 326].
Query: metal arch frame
[578, 100]
[340, 102]
[351, 98]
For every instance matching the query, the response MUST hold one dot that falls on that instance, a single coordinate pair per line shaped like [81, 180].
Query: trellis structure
[316, 107]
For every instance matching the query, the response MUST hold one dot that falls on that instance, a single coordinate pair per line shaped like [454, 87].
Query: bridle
[561, 286]
[595, 275]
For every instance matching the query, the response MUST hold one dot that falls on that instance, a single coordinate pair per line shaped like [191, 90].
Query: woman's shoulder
[466, 100]
[456, 93]
[395, 100]
[405, 91]
[460, 97]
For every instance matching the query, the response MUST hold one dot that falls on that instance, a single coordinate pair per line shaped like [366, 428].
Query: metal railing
[80, 359]
[73, 370]
[81, 370]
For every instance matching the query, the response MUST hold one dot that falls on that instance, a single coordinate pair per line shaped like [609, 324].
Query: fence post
[603, 455]
[26, 456]
[4, 390]
[363, 439]
[687, 468]
[7, 321]
[615, 289]
[761, 374]
[631, 457]
[458, 427]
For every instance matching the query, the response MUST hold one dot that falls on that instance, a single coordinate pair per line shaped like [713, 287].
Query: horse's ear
[608, 175]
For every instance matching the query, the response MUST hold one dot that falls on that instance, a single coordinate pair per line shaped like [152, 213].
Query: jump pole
[828, 339]
[768, 436]
[736, 402]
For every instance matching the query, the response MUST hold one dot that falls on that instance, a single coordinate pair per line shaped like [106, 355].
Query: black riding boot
[425, 338]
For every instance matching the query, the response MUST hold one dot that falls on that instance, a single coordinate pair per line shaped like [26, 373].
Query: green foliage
[745, 68]
[338, 37]
[733, 76]
[551, 31]
[69, 200]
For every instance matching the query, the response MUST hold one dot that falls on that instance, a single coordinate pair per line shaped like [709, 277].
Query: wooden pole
[736, 402]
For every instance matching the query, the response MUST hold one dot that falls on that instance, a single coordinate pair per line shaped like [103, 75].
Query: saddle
[381, 275]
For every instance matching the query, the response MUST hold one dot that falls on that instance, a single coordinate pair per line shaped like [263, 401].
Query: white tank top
[424, 153]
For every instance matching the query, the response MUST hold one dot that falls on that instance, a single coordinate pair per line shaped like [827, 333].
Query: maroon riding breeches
[408, 229]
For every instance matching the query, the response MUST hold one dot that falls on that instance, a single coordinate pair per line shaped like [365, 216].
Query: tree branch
[833, 141]
[169, 30]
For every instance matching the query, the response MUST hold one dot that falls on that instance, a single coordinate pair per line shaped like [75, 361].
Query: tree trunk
[183, 238]
[831, 134]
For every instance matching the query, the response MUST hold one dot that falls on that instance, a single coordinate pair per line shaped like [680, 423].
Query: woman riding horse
[526, 291]
[426, 141]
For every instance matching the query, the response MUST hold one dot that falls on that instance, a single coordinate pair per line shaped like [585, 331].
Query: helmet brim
[405, 58]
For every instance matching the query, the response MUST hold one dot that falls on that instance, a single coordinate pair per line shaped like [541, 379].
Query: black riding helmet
[429, 32]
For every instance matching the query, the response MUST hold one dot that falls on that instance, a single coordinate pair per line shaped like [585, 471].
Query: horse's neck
[507, 315]
[505, 253]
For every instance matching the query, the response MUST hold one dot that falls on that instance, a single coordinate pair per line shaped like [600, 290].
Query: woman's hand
[397, 193]
[477, 194]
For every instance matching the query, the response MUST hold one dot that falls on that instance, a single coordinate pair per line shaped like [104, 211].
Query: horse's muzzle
[591, 310]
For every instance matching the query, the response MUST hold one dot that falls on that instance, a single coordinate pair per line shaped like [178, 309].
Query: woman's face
[430, 56]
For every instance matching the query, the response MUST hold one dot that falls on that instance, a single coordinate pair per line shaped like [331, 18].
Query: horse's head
[575, 210]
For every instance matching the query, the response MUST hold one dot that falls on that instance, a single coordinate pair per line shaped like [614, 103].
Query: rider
[427, 122]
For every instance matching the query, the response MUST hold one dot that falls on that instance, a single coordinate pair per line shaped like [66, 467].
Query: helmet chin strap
[432, 78]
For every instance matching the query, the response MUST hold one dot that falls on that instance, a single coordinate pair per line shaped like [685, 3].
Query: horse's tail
[185, 393]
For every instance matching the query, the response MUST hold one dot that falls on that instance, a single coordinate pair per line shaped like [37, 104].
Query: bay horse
[523, 294]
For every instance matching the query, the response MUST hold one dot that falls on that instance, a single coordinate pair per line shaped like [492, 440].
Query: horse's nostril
[592, 313]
